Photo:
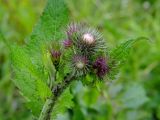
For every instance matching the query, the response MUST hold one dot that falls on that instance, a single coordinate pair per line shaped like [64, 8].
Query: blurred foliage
[133, 95]
[17, 18]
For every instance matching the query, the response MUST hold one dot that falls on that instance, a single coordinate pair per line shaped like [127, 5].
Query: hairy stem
[50, 102]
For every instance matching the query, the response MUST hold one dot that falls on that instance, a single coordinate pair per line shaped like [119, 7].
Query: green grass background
[134, 95]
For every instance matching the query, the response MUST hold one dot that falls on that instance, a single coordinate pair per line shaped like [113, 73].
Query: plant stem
[45, 114]
[50, 102]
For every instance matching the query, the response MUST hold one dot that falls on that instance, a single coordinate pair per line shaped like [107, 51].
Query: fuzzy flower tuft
[101, 67]
[88, 38]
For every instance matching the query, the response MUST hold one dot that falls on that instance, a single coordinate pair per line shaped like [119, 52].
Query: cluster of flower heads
[88, 50]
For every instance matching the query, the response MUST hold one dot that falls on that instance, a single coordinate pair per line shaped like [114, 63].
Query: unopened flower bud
[101, 67]
[72, 28]
[67, 43]
[55, 56]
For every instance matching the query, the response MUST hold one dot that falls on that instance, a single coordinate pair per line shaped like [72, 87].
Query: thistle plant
[53, 59]
[84, 53]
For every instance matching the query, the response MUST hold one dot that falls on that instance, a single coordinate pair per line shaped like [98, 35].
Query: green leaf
[65, 101]
[27, 77]
[28, 62]
[52, 21]
[43, 90]
[119, 55]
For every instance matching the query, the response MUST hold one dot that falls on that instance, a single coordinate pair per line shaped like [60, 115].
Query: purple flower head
[72, 28]
[67, 43]
[101, 67]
